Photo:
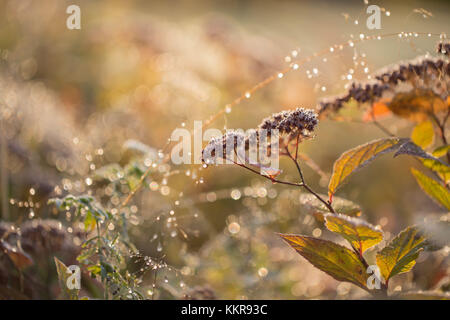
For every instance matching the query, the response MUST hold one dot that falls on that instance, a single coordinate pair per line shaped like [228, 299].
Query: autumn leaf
[412, 149]
[440, 168]
[417, 104]
[423, 134]
[360, 156]
[400, 255]
[89, 222]
[433, 189]
[20, 258]
[441, 151]
[357, 158]
[339, 262]
[379, 110]
[360, 234]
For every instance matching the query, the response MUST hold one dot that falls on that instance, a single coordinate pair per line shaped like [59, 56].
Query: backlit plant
[417, 91]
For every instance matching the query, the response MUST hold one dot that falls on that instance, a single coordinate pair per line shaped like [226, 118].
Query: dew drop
[234, 227]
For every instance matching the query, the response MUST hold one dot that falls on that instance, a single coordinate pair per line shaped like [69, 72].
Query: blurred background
[76, 105]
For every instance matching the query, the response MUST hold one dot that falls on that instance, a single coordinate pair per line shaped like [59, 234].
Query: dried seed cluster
[298, 123]
[422, 73]
[231, 137]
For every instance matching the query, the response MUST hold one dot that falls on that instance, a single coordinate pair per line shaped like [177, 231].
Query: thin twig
[304, 185]
[267, 177]
[442, 130]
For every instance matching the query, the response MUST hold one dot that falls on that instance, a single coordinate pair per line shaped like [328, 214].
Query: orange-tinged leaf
[339, 262]
[379, 110]
[417, 104]
[360, 234]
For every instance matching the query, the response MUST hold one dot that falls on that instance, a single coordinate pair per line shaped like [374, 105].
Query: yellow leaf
[400, 255]
[432, 188]
[441, 151]
[356, 158]
[360, 234]
[441, 169]
[337, 261]
[423, 134]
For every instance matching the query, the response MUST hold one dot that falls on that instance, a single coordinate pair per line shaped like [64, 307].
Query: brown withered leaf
[20, 258]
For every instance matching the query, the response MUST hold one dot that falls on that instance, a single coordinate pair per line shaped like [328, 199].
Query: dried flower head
[423, 74]
[300, 122]
[295, 124]
[218, 146]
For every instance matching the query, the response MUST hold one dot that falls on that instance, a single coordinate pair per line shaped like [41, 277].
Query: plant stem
[267, 177]
[442, 130]
[304, 185]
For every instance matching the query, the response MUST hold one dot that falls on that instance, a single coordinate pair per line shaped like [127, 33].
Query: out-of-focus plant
[103, 253]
